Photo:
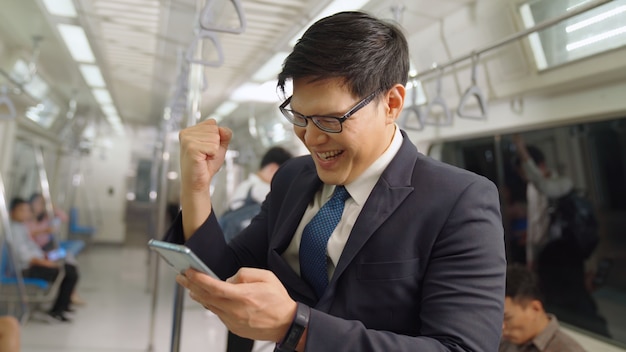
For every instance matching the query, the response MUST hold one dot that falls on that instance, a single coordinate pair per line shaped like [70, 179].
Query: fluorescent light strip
[64, 8]
[226, 108]
[595, 19]
[533, 39]
[262, 93]
[596, 38]
[76, 42]
[92, 75]
[577, 5]
[102, 96]
[109, 110]
[271, 68]
[332, 8]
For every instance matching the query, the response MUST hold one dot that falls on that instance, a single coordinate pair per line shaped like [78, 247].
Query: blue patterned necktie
[313, 264]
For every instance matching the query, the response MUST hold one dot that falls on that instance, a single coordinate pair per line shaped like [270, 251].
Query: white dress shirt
[539, 191]
[359, 190]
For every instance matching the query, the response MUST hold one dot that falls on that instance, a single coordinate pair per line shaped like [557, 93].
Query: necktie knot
[341, 194]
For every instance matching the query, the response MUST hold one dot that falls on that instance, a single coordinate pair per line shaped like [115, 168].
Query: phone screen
[180, 257]
[56, 254]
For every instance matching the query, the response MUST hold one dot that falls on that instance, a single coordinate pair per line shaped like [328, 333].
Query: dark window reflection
[588, 293]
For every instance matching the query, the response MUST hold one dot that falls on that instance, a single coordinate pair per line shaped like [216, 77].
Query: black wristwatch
[298, 325]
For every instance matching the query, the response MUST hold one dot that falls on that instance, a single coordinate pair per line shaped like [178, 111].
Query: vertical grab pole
[43, 180]
[160, 222]
[193, 109]
[6, 224]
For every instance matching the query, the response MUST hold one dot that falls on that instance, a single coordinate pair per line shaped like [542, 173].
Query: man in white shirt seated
[34, 263]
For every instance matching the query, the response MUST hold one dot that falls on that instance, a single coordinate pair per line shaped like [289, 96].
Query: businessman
[363, 245]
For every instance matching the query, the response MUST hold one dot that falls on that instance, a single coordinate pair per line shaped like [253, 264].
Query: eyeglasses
[330, 124]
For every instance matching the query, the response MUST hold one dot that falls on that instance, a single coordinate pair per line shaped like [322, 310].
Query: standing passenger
[559, 264]
[250, 193]
[364, 245]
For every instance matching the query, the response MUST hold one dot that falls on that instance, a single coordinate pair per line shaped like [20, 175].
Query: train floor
[117, 316]
[115, 285]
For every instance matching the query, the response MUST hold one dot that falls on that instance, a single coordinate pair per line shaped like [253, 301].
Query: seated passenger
[42, 228]
[33, 262]
[9, 334]
[527, 327]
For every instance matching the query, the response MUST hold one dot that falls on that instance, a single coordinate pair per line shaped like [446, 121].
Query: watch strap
[296, 329]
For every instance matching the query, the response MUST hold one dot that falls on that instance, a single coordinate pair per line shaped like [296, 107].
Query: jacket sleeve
[209, 245]
[462, 296]
[551, 187]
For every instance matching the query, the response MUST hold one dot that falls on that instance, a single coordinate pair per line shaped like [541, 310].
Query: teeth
[329, 155]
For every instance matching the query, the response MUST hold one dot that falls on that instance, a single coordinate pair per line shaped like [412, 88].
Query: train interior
[94, 92]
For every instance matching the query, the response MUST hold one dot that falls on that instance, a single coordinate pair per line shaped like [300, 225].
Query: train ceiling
[138, 45]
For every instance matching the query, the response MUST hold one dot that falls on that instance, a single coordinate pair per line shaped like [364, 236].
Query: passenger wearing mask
[363, 245]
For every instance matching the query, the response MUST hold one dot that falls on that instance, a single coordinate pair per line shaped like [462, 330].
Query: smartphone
[179, 257]
[56, 254]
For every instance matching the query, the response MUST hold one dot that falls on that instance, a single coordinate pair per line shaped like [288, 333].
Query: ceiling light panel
[92, 75]
[76, 42]
[141, 6]
[129, 29]
[63, 8]
[102, 96]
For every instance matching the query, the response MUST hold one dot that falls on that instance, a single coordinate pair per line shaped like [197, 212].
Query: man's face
[520, 321]
[21, 213]
[342, 157]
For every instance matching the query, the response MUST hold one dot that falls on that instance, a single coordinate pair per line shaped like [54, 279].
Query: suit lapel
[390, 191]
[296, 200]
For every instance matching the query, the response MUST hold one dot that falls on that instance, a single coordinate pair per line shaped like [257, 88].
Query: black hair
[42, 214]
[536, 154]
[16, 202]
[34, 196]
[276, 155]
[522, 284]
[369, 54]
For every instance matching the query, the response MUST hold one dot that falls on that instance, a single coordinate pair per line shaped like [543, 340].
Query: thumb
[225, 136]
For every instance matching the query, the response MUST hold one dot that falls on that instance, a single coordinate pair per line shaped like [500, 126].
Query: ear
[536, 306]
[394, 102]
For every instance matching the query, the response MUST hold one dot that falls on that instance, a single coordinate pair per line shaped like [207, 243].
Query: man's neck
[542, 322]
[266, 173]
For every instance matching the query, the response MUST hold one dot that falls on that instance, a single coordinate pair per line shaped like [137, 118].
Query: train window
[43, 113]
[46, 110]
[592, 32]
[585, 292]
[34, 85]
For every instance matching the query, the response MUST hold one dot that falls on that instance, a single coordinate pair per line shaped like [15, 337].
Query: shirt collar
[545, 336]
[361, 188]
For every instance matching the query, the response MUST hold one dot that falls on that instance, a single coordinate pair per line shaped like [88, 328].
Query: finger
[217, 288]
[225, 136]
[249, 275]
[182, 280]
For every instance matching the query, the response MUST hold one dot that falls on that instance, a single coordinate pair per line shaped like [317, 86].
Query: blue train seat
[75, 229]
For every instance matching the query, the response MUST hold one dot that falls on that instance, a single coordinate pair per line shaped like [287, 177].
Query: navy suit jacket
[423, 268]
